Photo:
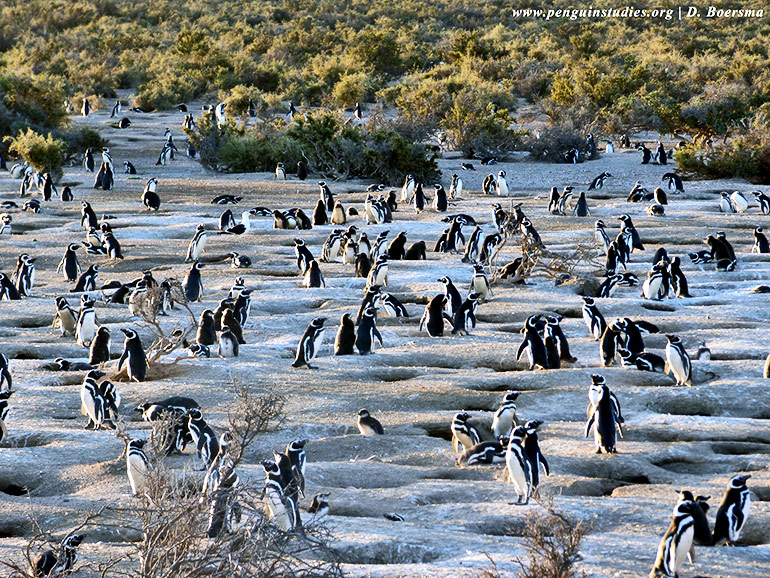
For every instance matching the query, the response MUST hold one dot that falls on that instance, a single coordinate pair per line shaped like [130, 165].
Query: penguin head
[322, 184]
[474, 296]
[462, 416]
[518, 434]
[363, 413]
[673, 339]
[597, 379]
[318, 322]
[297, 445]
[225, 439]
[95, 374]
[369, 311]
[194, 413]
[137, 443]
[758, 230]
[73, 541]
[103, 331]
[299, 242]
[445, 280]
[270, 467]
[197, 266]
[532, 425]
[478, 268]
[588, 300]
[684, 508]
[739, 481]
[511, 396]
[129, 333]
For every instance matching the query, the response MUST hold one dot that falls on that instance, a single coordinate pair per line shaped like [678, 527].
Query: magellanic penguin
[310, 343]
[282, 510]
[505, 418]
[702, 529]
[66, 318]
[533, 343]
[480, 283]
[678, 361]
[463, 434]
[368, 425]
[594, 320]
[733, 512]
[367, 332]
[228, 343]
[204, 437]
[761, 244]
[197, 244]
[92, 403]
[581, 207]
[6, 379]
[85, 330]
[192, 284]
[433, 318]
[150, 198]
[133, 356]
[344, 342]
[100, 347]
[391, 305]
[61, 562]
[518, 466]
[676, 542]
[69, 264]
[603, 420]
[533, 452]
[137, 466]
[87, 281]
[454, 300]
[313, 276]
[501, 185]
[465, 317]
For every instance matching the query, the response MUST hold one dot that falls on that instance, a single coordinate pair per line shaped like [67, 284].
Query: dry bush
[552, 541]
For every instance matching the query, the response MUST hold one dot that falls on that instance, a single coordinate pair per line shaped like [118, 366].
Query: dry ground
[675, 437]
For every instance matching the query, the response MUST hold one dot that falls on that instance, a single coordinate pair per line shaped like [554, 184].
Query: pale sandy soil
[676, 437]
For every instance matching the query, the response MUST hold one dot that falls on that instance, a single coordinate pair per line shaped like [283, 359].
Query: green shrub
[554, 143]
[30, 101]
[44, 153]
[238, 100]
[746, 157]
[324, 140]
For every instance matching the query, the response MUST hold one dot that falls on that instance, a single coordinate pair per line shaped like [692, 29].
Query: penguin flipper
[122, 359]
[589, 423]
[455, 442]
[543, 461]
[522, 347]
[377, 334]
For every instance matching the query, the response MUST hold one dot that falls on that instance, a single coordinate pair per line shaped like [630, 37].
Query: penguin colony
[372, 247]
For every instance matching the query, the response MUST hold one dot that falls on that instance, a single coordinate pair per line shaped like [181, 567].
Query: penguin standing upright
[85, 108]
[310, 343]
[197, 244]
[338, 213]
[407, 190]
[91, 400]
[594, 320]
[439, 198]
[326, 195]
[69, 264]
[465, 317]
[534, 345]
[344, 342]
[473, 247]
[603, 420]
[301, 171]
[6, 379]
[501, 185]
[203, 436]
[207, 330]
[230, 322]
[761, 244]
[702, 534]
[23, 277]
[133, 356]
[677, 278]
[554, 330]
[65, 317]
[137, 466]
[454, 300]
[100, 347]
[505, 418]
[456, 187]
[49, 189]
[319, 214]
[733, 512]
[228, 343]
[464, 434]
[518, 466]
[304, 256]
[533, 452]
[678, 361]
[581, 208]
[418, 199]
[480, 283]
[88, 160]
[676, 542]
[193, 285]
[280, 507]
[86, 326]
[367, 332]
[433, 318]
[660, 153]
